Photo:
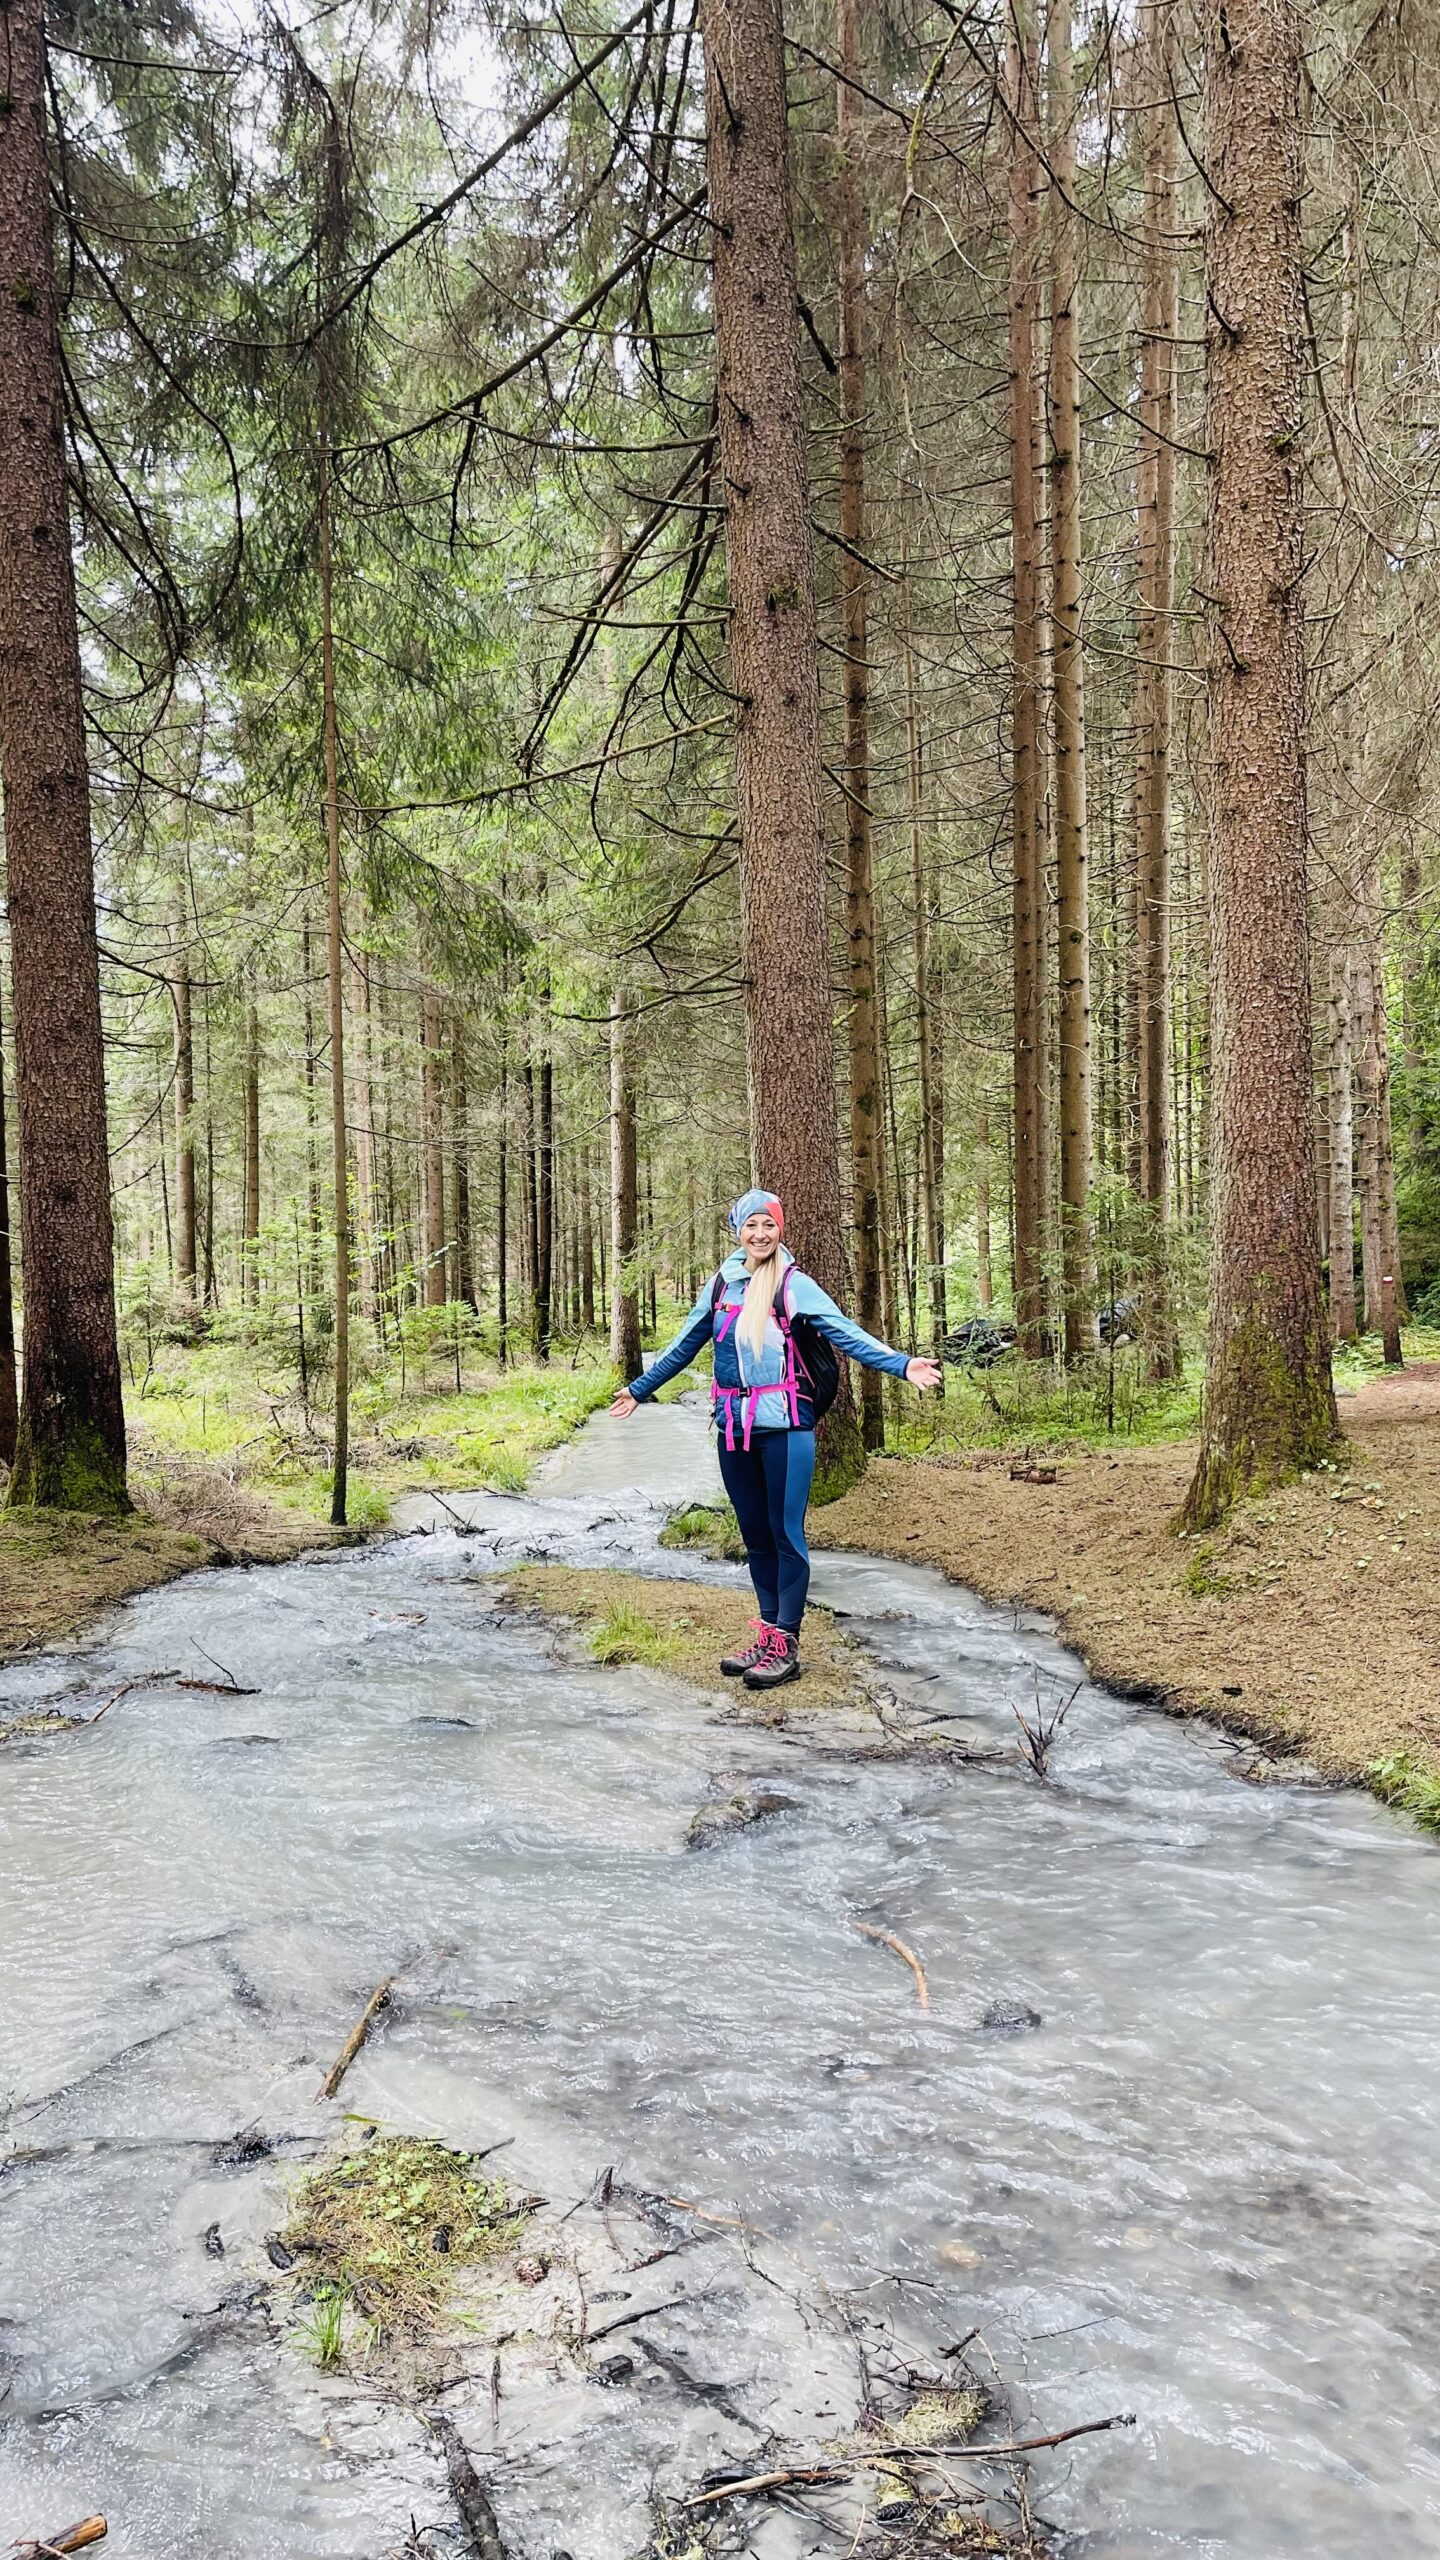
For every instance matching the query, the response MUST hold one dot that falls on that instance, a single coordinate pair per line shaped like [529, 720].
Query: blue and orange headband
[752, 1204]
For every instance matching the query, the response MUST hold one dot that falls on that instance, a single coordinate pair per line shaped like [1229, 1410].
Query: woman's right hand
[624, 1405]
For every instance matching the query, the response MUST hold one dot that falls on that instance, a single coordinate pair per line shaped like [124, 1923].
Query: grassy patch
[385, 2230]
[684, 1627]
[1404, 1782]
[707, 1530]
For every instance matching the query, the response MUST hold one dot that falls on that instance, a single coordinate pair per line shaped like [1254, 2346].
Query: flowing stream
[1168, 2133]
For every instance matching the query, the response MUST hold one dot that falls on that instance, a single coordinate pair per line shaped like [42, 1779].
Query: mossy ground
[683, 1628]
[385, 2230]
[57, 1568]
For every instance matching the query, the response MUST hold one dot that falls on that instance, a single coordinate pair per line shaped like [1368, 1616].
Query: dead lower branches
[1038, 1731]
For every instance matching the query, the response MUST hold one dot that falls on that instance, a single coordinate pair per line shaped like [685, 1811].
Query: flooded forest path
[1166, 2136]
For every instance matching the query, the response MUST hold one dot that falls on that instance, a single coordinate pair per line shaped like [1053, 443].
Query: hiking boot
[735, 1665]
[779, 1661]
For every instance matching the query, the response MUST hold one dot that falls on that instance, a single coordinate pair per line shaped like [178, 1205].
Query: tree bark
[865, 1095]
[465, 1290]
[544, 1300]
[9, 1384]
[70, 1447]
[1072, 916]
[184, 1098]
[1026, 784]
[931, 1156]
[363, 1123]
[249, 1105]
[1341, 1219]
[773, 656]
[335, 990]
[984, 1272]
[1159, 323]
[1269, 1401]
[432, 1124]
[625, 1348]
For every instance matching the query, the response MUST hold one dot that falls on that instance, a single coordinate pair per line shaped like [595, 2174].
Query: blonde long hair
[760, 1294]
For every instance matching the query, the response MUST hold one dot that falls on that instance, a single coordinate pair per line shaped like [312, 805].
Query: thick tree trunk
[70, 1448]
[184, 1098]
[1341, 1217]
[625, 1348]
[1072, 913]
[773, 656]
[1159, 322]
[1269, 1402]
[865, 1096]
[335, 990]
[1026, 777]
[9, 1384]
[432, 1155]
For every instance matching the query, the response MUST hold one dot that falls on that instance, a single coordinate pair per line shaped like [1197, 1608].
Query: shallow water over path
[1168, 2133]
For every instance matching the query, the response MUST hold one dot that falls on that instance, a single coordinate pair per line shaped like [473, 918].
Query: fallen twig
[468, 2491]
[761, 2481]
[218, 1688]
[627, 2319]
[897, 1947]
[379, 1999]
[142, 1680]
[999, 2452]
[75, 2537]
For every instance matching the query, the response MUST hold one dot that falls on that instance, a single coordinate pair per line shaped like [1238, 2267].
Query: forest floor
[1310, 1622]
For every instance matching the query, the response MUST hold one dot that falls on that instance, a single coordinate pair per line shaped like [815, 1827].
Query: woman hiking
[764, 1402]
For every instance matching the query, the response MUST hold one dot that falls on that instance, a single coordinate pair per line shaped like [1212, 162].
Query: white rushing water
[1168, 2132]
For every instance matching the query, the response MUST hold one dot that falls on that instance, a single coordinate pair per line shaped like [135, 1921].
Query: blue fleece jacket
[734, 1367]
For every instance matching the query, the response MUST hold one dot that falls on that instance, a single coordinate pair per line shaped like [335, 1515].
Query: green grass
[237, 1405]
[1029, 1403]
[705, 1531]
[383, 2232]
[624, 1635]
[1402, 1781]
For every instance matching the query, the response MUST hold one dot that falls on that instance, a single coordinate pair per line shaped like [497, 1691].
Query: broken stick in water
[379, 2000]
[468, 2491]
[897, 1947]
[74, 2537]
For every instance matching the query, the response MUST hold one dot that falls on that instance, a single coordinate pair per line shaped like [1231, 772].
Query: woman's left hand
[922, 1374]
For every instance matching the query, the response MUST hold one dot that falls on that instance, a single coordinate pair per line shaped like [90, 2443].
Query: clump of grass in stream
[706, 1529]
[1401, 1780]
[624, 1635]
[385, 2229]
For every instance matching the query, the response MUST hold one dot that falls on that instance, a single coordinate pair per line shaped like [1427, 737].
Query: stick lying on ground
[897, 1947]
[468, 2491]
[760, 2482]
[379, 1999]
[75, 2537]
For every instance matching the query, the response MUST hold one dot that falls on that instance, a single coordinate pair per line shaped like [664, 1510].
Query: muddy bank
[1311, 1622]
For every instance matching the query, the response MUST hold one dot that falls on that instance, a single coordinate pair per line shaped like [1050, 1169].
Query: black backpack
[816, 1357]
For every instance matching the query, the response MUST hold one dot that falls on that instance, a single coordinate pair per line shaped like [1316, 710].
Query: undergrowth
[705, 1529]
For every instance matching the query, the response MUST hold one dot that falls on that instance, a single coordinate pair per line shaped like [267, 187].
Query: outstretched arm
[808, 1299]
[676, 1356]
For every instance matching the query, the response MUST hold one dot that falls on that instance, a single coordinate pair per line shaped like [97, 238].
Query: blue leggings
[769, 1486]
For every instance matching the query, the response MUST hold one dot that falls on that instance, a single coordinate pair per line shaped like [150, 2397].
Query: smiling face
[759, 1236]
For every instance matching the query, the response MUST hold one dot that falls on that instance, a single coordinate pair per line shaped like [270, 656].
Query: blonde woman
[775, 1334]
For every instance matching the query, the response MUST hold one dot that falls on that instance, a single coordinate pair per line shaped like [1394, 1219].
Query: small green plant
[322, 2335]
[1401, 1781]
[623, 1635]
[1203, 1579]
[707, 1530]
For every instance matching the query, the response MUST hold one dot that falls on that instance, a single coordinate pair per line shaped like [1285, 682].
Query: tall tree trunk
[773, 655]
[931, 1167]
[502, 1200]
[466, 1293]
[984, 1270]
[865, 1093]
[1072, 914]
[1341, 1219]
[432, 1124]
[625, 1348]
[249, 1104]
[1269, 1401]
[184, 1098]
[70, 1447]
[335, 989]
[1379, 1227]
[1026, 781]
[313, 1216]
[362, 1109]
[9, 1388]
[545, 1202]
[587, 1239]
[1159, 322]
